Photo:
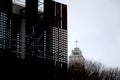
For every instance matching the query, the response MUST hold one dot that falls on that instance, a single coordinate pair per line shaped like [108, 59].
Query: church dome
[76, 56]
[77, 51]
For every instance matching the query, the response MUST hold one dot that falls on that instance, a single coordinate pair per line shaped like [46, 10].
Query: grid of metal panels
[49, 38]
[5, 24]
[57, 45]
[3, 30]
[56, 26]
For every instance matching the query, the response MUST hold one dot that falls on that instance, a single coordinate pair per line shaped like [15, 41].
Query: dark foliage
[92, 71]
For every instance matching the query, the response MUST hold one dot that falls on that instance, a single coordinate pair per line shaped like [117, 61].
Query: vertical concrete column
[31, 24]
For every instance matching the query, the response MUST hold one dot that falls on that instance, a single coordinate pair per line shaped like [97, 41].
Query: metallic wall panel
[31, 24]
[5, 29]
[64, 16]
[6, 6]
[49, 12]
[31, 13]
[55, 20]
[5, 21]
[58, 15]
[58, 10]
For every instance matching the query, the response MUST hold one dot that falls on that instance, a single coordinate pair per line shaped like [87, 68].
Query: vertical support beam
[31, 24]
[64, 17]
[31, 14]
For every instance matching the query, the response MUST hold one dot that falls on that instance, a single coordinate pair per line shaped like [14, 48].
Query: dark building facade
[31, 36]
[5, 29]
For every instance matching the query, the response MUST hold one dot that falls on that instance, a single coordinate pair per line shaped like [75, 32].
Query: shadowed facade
[30, 36]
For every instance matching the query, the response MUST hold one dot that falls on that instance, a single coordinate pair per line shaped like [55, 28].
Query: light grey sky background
[96, 25]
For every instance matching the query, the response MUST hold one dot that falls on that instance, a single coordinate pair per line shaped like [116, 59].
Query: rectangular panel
[31, 11]
[5, 26]
[6, 6]
[49, 11]
[64, 16]
[57, 10]
[58, 15]
[31, 24]
[49, 7]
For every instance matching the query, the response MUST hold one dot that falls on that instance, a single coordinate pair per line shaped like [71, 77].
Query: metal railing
[22, 3]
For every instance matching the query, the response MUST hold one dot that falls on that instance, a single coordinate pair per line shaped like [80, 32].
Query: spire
[76, 43]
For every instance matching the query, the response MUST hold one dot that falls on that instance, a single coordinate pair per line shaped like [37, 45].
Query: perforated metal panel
[56, 27]
[5, 24]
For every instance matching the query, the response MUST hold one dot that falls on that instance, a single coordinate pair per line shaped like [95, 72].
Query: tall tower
[56, 31]
[56, 35]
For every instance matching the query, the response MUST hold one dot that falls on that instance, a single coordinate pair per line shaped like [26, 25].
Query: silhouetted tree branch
[92, 71]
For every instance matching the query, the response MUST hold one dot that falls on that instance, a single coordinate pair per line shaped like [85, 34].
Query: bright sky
[96, 25]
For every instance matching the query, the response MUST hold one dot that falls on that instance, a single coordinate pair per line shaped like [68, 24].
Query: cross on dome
[76, 43]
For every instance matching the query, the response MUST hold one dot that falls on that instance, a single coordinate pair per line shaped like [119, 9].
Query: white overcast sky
[96, 25]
